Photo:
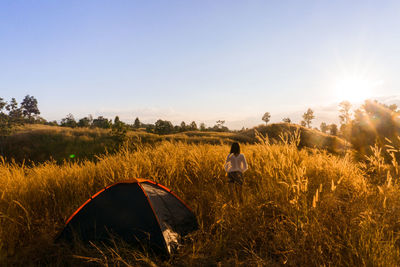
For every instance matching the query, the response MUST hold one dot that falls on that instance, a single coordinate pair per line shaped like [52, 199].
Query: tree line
[308, 117]
[371, 124]
[159, 127]
[370, 128]
[12, 113]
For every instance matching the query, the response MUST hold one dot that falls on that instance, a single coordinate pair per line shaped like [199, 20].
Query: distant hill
[308, 137]
[38, 143]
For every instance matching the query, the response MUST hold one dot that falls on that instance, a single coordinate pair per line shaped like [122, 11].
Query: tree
[345, 114]
[375, 123]
[324, 127]
[40, 120]
[193, 126]
[266, 117]
[117, 120]
[202, 126]
[2, 104]
[52, 123]
[29, 107]
[69, 121]
[4, 125]
[220, 123]
[118, 124]
[345, 119]
[14, 112]
[219, 127]
[303, 123]
[287, 120]
[333, 129]
[137, 123]
[102, 122]
[163, 127]
[308, 117]
[4, 119]
[86, 121]
[183, 126]
[149, 128]
[119, 129]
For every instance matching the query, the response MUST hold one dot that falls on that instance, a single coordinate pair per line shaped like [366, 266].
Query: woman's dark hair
[235, 148]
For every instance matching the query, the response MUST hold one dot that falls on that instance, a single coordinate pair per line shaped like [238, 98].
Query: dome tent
[138, 211]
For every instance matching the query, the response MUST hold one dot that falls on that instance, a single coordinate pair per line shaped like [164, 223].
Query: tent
[138, 211]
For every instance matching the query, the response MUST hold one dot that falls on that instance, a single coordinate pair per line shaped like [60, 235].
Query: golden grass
[300, 208]
[39, 143]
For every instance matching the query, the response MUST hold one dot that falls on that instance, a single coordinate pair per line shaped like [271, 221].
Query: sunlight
[354, 88]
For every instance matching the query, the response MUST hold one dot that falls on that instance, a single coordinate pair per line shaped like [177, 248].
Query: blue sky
[197, 60]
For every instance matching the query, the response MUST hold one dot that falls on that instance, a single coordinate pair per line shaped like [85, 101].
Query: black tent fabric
[138, 211]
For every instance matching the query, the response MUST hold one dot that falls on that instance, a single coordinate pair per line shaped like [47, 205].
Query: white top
[235, 163]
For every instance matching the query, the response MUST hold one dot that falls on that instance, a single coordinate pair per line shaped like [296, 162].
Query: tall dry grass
[40, 143]
[300, 207]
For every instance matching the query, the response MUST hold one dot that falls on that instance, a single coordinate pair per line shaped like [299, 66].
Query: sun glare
[354, 89]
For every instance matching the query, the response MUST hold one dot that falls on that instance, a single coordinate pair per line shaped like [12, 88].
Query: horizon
[328, 114]
[197, 61]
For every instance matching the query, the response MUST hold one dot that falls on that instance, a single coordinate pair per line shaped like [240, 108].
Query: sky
[199, 60]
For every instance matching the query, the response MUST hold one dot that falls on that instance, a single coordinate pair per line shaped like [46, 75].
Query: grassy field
[308, 137]
[39, 143]
[34, 143]
[301, 207]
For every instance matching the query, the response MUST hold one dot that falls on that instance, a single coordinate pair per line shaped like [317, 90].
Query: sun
[354, 88]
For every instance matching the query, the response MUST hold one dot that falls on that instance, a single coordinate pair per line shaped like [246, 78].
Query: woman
[235, 165]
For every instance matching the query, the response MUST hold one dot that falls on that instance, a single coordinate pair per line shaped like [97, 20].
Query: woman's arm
[228, 163]
[244, 164]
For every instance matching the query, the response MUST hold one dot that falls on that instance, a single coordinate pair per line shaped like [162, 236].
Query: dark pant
[235, 177]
